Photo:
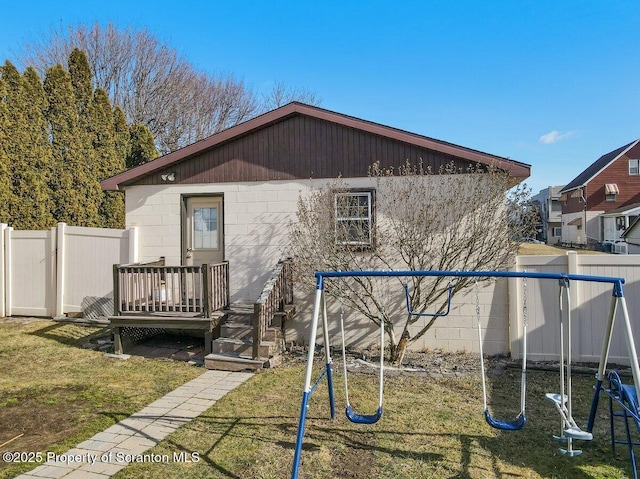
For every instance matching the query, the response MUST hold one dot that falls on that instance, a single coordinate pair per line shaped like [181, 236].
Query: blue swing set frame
[320, 310]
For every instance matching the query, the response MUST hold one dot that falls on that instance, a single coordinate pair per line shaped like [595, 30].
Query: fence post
[3, 272]
[59, 238]
[574, 296]
[8, 267]
[133, 244]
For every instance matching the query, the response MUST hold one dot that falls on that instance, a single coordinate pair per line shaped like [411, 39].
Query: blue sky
[555, 84]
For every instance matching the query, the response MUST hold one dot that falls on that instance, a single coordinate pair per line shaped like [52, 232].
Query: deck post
[116, 290]
[117, 340]
[207, 290]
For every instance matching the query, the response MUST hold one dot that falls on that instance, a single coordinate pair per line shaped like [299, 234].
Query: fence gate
[30, 273]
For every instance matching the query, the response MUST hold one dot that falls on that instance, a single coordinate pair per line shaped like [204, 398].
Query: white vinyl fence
[61, 270]
[590, 303]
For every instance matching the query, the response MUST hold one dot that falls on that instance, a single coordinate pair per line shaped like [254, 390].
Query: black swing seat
[506, 424]
[363, 418]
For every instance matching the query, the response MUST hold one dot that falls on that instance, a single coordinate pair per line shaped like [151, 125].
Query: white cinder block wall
[256, 219]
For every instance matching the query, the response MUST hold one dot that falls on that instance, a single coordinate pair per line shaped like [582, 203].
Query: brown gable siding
[299, 147]
[618, 173]
[594, 191]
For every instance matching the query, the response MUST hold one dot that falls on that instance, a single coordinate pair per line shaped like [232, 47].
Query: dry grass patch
[57, 394]
[532, 249]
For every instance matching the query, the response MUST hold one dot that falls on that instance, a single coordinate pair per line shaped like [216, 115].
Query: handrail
[217, 287]
[154, 262]
[197, 290]
[276, 293]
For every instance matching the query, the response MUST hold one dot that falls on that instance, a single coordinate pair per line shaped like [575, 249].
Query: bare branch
[449, 220]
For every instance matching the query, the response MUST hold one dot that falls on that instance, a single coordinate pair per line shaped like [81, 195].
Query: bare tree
[448, 220]
[151, 82]
[281, 94]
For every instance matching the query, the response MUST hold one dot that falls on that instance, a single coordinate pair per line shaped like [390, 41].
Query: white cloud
[555, 136]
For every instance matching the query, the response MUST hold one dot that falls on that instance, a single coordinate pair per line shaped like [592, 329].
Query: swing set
[625, 397]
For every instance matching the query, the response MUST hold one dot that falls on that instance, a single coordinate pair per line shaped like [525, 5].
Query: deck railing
[276, 294]
[182, 290]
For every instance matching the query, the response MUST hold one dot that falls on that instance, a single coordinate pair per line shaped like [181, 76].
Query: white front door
[609, 227]
[203, 231]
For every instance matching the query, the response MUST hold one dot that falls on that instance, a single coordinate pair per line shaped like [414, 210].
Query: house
[598, 204]
[631, 236]
[550, 209]
[232, 195]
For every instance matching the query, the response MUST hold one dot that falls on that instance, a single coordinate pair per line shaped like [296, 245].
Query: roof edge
[623, 152]
[514, 168]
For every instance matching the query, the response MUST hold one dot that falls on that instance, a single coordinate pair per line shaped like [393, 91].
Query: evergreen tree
[88, 130]
[5, 171]
[122, 136]
[72, 177]
[143, 148]
[108, 162]
[35, 194]
[26, 147]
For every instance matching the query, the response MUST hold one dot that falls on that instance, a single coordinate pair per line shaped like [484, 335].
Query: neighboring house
[609, 188]
[616, 222]
[550, 208]
[632, 237]
[232, 196]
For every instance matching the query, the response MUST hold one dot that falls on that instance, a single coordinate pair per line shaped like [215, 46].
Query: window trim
[370, 194]
[635, 161]
[554, 229]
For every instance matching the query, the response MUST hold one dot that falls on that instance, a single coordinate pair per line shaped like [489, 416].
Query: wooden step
[243, 347]
[236, 331]
[243, 331]
[228, 362]
[280, 317]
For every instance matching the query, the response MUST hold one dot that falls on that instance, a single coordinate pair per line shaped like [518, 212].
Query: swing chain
[524, 301]
[477, 301]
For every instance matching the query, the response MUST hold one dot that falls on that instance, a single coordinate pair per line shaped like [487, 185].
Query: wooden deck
[154, 296]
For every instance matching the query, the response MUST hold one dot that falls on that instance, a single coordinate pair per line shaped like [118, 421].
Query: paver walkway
[111, 450]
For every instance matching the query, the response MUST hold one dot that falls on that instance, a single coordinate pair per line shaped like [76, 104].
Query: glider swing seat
[624, 396]
[569, 430]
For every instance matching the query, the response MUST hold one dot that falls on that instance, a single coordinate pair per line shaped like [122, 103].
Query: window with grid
[634, 167]
[353, 217]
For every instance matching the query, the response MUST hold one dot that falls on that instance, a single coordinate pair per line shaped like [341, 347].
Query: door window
[205, 228]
